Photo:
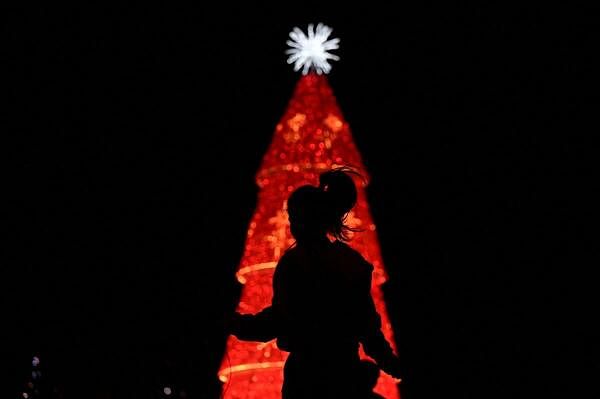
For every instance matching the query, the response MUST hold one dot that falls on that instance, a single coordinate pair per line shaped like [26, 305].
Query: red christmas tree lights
[311, 137]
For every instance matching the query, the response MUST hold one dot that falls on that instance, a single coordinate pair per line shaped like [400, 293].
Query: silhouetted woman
[322, 306]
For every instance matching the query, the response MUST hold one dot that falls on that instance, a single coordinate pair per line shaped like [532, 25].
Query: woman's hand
[392, 367]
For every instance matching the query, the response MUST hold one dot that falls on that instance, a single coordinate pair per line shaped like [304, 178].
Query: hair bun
[340, 189]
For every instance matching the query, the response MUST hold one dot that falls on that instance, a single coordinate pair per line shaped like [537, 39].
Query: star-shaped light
[311, 51]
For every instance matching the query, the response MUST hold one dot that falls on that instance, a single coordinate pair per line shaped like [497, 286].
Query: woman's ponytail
[340, 195]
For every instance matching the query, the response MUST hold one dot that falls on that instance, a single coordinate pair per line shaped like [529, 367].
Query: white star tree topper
[312, 51]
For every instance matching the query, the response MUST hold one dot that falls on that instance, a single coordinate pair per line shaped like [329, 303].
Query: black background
[135, 133]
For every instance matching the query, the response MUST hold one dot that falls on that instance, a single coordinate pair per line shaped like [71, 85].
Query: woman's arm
[265, 325]
[257, 327]
[372, 338]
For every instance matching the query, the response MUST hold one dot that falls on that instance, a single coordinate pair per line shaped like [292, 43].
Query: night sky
[134, 136]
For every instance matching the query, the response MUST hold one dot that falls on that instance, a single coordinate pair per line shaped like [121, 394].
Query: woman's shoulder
[353, 257]
[346, 249]
[290, 256]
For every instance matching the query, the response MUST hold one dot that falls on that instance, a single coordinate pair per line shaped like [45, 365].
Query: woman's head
[315, 212]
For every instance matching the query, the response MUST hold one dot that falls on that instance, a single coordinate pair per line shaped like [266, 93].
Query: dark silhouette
[322, 306]
[368, 375]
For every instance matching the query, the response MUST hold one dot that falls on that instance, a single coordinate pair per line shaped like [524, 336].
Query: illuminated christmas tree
[311, 137]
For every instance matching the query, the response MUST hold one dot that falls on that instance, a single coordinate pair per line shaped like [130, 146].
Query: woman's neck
[315, 241]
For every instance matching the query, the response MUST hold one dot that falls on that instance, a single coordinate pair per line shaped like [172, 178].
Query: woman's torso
[318, 292]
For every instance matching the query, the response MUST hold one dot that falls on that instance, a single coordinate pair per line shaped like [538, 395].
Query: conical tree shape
[311, 137]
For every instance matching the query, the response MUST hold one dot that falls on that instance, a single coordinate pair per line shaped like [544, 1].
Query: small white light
[167, 391]
[311, 51]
